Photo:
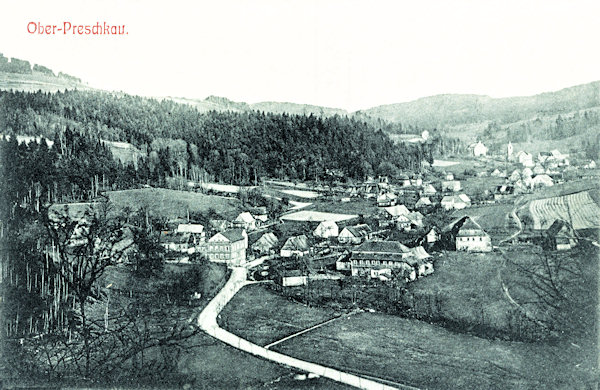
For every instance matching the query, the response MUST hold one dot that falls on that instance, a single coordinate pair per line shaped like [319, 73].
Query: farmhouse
[525, 159]
[503, 191]
[395, 211]
[429, 190]
[196, 232]
[542, 181]
[457, 202]
[560, 236]
[292, 278]
[220, 225]
[451, 185]
[497, 173]
[472, 238]
[380, 255]
[354, 234]
[478, 149]
[265, 244]
[175, 242]
[245, 221]
[431, 237]
[295, 246]
[423, 202]
[228, 247]
[326, 229]
[387, 199]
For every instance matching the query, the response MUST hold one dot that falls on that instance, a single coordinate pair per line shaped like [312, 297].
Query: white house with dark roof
[378, 255]
[472, 238]
[326, 229]
[265, 244]
[295, 246]
[228, 247]
[245, 221]
[354, 234]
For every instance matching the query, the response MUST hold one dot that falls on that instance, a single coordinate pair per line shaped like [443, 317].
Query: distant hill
[19, 75]
[448, 110]
[217, 103]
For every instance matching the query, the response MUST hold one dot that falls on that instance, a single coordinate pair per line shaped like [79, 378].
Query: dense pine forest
[228, 147]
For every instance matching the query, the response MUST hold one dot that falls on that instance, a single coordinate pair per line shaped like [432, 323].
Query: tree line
[229, 147]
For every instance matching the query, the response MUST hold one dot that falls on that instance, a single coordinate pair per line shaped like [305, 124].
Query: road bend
[207, 321]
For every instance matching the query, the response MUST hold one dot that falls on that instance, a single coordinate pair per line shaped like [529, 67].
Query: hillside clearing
[172, 203]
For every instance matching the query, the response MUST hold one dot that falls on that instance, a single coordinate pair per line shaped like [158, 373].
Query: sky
[336, 53]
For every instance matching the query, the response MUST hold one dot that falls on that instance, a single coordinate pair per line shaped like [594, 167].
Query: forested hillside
[231, 147]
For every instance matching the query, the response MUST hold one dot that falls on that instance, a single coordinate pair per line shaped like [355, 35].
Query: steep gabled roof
[267, 240]
[382, 247]
[470, 228]
[559, 226]
[245, 217]
[397, 210]
[296, 243]
[232, 235]
[362, 230]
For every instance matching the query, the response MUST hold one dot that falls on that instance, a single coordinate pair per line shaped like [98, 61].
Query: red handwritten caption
[68, 28]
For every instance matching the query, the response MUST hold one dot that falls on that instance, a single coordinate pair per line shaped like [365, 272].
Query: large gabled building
[228, 247]
[471, 237]
[377, 255]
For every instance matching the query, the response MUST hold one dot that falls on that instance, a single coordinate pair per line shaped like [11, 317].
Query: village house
[396, 211]
[560, 236]
[266, 244]
[525, 159]
[423, 202]
[295, 246]
[498, 173]
[381, 255]
[403, 222]
[228, 247]
[503, 191]
[451, 186]
[292, 278]
[343, 262]
[542, 181]
[526, 172]
[428, 240]
[455, 202]
[478, 149]
[175, 242]
[386, 199]
[472, 238]
[220, 225]
[196, 231]
[354, 234]
[245, 221]
[326, 229]
[429, 190]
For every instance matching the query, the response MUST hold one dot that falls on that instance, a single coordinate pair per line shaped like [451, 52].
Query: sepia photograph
[300, 194]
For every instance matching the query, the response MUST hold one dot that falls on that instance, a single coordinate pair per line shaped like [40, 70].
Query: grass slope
[172, 203]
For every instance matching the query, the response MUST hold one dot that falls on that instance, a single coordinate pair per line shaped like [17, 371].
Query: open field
[124, 151]
[466, 288]
[172, 203]
[355, 206]
[580, 209]
[428, 356]
[301, 193]
[262, 316]
[316, 216]
[401, 350]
